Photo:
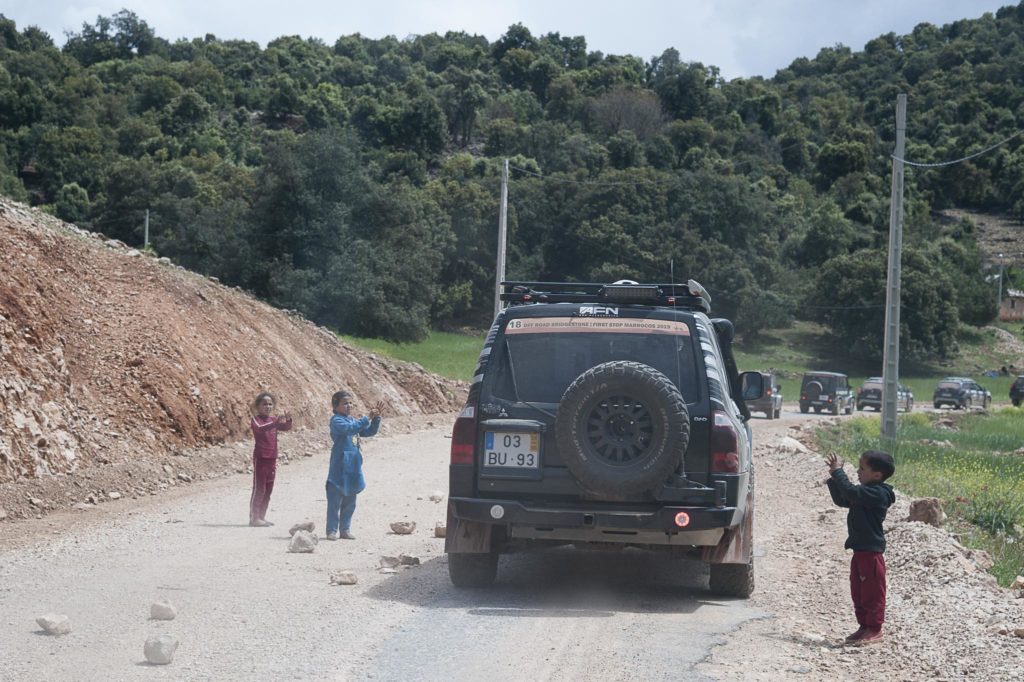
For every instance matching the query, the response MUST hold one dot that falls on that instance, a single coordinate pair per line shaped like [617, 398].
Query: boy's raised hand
[834, 462]
[376, 410]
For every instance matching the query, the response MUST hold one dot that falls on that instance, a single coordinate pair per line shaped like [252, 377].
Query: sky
[742, 37]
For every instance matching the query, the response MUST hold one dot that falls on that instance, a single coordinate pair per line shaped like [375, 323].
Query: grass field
[450, 355]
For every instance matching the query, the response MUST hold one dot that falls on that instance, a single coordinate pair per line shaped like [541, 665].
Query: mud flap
[466, 537]
[737, 545]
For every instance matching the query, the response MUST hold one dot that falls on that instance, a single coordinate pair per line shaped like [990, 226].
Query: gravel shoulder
[944, 615]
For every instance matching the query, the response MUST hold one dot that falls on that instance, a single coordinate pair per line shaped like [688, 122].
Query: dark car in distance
[870, 395]
[770, 400]
[826, 392]
[1017, 391]
[960, 393]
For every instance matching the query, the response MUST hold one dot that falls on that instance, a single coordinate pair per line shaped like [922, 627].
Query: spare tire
[622, 428]
[813, 389]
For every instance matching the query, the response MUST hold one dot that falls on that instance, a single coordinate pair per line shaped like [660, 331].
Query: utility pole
[499, 274]
[145, 234]
[999, 298]
[891, 365]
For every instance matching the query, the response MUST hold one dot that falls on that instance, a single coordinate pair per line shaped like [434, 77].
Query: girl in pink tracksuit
[264, 456]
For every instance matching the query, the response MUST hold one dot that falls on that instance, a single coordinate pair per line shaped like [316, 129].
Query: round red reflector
[682, 519]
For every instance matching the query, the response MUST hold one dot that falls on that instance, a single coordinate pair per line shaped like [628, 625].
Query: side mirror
[779, 388]
[753, 385]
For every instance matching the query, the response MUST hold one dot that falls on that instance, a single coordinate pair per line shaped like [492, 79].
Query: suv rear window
[540, 365]
[949, 384]
[874, 384]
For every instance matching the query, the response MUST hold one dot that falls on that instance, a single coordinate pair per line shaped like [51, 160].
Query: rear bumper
[513, 513]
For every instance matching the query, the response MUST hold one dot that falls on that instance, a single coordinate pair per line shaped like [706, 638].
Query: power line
[962, 159]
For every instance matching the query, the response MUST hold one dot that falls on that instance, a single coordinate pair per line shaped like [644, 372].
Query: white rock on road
[159, 650]
[54, 624]
[162, 610]
[403, 527]
[440, 529]
[436, 496]
[307, 526]
[344, 578]
[303, 542]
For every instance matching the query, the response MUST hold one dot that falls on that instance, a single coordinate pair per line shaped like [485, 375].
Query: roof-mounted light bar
[633, 291]
[688, 296]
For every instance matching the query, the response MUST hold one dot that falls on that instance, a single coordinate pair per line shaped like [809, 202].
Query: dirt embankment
[108, 356]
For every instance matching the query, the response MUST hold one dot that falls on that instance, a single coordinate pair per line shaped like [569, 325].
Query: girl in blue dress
[345, 477]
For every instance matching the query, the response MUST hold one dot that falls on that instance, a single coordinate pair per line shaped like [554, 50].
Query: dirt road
[249, 610]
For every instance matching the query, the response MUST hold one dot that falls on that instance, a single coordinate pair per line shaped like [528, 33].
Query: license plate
[511, 450]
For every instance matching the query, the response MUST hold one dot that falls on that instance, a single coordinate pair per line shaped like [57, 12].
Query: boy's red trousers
[263, 471]
[867, 586]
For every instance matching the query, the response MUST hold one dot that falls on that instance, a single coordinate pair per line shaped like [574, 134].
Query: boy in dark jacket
[868, 504]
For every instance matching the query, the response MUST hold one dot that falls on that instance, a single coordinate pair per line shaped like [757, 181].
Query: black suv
[870, 395]
[960, 393]
[826, 392]
[1017, 391]
[770, 400]
[604, 416]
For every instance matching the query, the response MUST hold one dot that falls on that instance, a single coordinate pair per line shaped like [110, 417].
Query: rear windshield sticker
[541, 325]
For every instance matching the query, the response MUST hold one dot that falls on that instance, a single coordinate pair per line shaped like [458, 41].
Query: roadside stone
[408, 560]
[937, 443]
[185, 478]
[159, 650]
[436, 496]
[403, 527]
[790, 444]
[307, 526]
[389, 570]
[54, 624]
[1018, 583]
[3, 514]
[83, 506]
[344, 578]
[440, 529]
[800, 669]
[168, 469]
[164, 260]
[390, 561]
[114, 495]
[812, 638]
[927, 510]
[303, 542]
[1019, 632]
[162, 610]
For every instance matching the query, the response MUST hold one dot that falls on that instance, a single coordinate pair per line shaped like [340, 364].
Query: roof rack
[690, 295]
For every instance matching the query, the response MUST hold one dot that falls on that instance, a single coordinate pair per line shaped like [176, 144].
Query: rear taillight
[464, 436]
[725, 442]
[768, 391]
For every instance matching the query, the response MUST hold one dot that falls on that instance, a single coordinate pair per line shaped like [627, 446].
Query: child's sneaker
[345, 535]
[870, 636]
[856, 635]
[332, 536]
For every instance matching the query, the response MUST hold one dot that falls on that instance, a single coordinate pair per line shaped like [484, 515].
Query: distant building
[1013, 305]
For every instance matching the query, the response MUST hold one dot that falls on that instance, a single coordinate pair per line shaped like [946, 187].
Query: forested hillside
[358, 182]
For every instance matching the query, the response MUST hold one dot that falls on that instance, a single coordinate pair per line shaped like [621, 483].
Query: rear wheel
[473, 570]
[732, 580]
[778, 412]
[804, 408]
[835, 409]
[1016, 403]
